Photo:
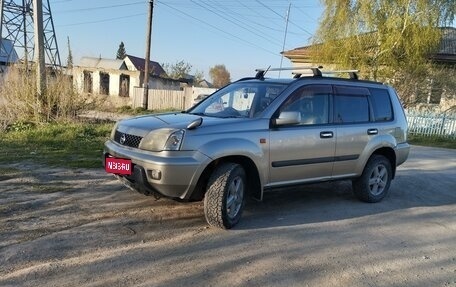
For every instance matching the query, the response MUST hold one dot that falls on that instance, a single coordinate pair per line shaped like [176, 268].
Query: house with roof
[444, 55]
[115, 77]
[8, 55]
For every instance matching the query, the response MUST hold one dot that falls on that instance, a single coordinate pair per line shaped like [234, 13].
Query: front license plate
[118, 165]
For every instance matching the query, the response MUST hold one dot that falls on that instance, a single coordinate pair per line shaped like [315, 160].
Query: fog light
[155, 174]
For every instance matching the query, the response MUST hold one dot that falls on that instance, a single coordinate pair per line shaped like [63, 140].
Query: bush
[20, 103]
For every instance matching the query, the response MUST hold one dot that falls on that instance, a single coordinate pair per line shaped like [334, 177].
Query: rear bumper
[178, 171]
[402, 152]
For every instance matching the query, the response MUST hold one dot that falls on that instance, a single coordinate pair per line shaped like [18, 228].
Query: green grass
[433, 141]
[75, 145]
[141, 111]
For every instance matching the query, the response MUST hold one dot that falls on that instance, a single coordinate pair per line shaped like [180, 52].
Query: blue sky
[241, 34]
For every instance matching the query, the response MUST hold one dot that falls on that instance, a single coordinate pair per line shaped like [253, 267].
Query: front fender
[239, 147]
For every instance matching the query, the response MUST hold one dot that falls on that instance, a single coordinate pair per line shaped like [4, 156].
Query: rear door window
[351, 105]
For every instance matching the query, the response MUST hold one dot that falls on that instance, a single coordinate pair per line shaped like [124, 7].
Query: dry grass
[20, 103]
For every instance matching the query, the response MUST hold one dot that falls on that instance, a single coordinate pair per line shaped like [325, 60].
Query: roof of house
[445, 53]
[91, 62]
[7, 52]
[206, 84]
[155, 68]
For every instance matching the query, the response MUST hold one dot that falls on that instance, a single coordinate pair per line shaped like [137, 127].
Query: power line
[99, 8]
[254, 31]
[104, 20]
[305, 13]
[272, 10]
[217, 28]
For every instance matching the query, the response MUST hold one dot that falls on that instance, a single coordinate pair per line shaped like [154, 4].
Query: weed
[77, 145]
[21, 106]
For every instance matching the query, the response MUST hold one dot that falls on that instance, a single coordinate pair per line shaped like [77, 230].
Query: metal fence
[432, 124]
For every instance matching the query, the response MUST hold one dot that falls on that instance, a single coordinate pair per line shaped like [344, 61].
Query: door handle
[326, 135]
[372, 131]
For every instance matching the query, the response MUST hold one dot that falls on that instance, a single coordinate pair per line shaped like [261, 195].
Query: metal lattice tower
[16, 25]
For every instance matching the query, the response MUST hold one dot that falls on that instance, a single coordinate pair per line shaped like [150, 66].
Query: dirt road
[82, 228]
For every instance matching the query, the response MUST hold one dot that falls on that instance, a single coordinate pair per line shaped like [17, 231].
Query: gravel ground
[62, 227]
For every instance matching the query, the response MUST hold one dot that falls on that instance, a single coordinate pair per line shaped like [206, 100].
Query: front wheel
[374, 183]
[224, 199]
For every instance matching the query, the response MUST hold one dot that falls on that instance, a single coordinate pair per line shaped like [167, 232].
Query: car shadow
[431, 185]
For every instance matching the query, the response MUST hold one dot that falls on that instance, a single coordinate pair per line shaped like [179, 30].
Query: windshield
[241, 99]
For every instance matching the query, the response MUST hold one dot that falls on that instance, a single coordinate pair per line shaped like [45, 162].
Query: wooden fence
[168, 99]
[432, 124]
[160, 99]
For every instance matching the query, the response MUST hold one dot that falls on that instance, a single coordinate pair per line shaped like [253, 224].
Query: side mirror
[288, 118]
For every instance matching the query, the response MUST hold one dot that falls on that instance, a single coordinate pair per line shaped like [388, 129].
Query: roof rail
[315, 70]
[352, 73]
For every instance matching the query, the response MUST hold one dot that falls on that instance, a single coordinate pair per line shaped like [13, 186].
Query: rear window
[351, 105]
[381, 103]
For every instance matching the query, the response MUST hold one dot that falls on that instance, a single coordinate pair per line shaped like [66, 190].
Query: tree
[179, 70]
[198, 77]
[70, 56]
[382, 37]
[121, 52]
[220, 76]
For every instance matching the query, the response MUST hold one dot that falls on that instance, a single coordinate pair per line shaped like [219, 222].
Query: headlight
[162, 139]
[174, 141]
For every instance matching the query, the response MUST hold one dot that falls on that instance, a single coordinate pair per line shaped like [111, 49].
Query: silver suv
[258, 134]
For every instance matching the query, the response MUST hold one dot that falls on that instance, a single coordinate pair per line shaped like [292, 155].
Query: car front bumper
[173, 174]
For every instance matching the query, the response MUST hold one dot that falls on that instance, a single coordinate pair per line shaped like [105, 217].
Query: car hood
[142, 125]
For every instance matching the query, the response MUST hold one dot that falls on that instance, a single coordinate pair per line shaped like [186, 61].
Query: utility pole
[147, 60]
[1, 23]
[285, 37]
[39, 46]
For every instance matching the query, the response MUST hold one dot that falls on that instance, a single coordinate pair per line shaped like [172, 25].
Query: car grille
[128, 140]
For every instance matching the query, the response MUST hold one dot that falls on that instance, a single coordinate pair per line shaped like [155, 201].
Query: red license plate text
[118, 165]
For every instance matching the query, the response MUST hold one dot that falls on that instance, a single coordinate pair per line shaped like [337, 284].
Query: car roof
[318, 74]
[288, 81]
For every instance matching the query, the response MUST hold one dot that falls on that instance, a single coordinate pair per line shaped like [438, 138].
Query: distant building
[119, 77]
[446, 53]
[8, 55]
[158, 79]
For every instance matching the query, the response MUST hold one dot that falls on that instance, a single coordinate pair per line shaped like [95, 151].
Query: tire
[225, 196]
[373, 185]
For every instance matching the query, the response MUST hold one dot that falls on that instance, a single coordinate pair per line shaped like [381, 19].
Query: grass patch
[141, 111]
[433, 141]
[74, 145]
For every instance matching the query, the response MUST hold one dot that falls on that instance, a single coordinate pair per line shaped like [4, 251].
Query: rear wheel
[225, 196]
[374, 183]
